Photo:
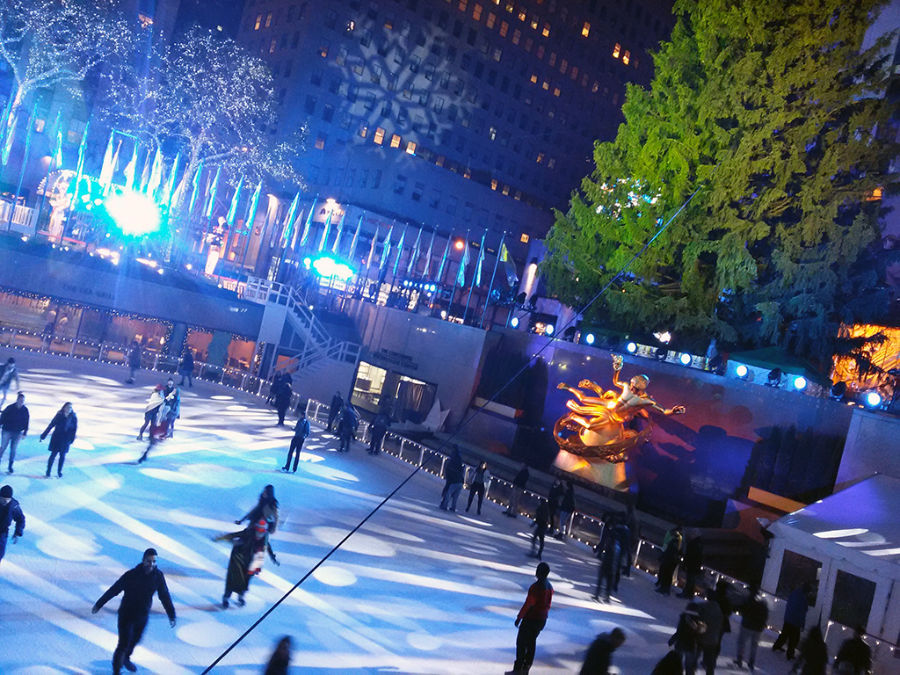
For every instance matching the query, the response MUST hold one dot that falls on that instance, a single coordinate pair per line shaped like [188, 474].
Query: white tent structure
[848, 545]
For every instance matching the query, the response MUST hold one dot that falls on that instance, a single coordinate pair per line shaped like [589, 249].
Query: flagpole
[24, 164]
[493, 275]
[476, 277]
[456, 278]
[468, 298]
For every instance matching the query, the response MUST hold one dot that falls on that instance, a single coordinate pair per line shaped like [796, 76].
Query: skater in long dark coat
[266, 507]
[283, 401]
[248, 549]
[64, 425]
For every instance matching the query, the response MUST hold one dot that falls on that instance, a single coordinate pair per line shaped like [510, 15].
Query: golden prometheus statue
[596, 426]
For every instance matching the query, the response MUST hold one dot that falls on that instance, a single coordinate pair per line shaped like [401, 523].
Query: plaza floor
[416, 590]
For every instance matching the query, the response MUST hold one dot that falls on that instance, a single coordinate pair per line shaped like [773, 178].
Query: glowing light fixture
[589, 338]
[799, 383]
[685, 359]
[514, 322]
[873, 399]
[741, 371]
[327, 266]
[134, 213]
[549, 329]
[631, 348]
[458, 244]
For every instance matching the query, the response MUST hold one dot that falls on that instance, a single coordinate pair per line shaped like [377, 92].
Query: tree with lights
[208, 98]
[774, 114]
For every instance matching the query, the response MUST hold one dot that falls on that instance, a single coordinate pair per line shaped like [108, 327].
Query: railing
[23, 218]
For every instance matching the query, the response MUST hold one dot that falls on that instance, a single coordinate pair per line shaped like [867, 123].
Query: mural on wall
[605, 426]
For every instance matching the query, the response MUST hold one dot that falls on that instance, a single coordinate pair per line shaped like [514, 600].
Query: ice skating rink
[417, 590]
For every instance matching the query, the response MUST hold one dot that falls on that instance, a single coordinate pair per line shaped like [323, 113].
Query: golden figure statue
[596, 427]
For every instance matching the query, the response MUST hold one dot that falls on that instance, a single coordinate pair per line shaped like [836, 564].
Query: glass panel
[796, 570]
[852, 599]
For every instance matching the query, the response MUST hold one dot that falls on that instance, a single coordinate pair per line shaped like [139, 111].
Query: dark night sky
[210, 14]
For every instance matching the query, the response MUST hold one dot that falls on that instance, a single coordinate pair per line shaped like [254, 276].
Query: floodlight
[742, 371]
[799, 383]
[631, 348]
[134, 213]
[589, 338]
[326, 266]
[685, 359]
[514, 322]
[873, 399]
[549, 328]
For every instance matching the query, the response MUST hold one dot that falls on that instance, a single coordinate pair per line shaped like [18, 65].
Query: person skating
[337, 405]
[138, 585]
[754, 614]
[283, 400]
[64, 425]
[693, 566]
[454, 475]
[159, 422]
[8, 373]
[151, 409]
[532, 618]
[13, 428]
[248, 552]
[346, 427]
[598, 658]
[377, 431]
[186, 368]
[668, 561]
[609, 553]
[554, 503]
[518, 489]
[134, 361]
[813, 654]
[686, 640]
[855, 656]
[541, 524]
[301, 433]
[280, 660]
[794, 620]
[622, 534]
[266, 508]
[566, 508]
[710, 640]
[478, 485]
[10, 512]
[172, 396]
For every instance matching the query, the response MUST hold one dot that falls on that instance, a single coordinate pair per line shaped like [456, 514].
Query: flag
[28, 131]
[131, 167]
[251, 210]
[173, 181]
[476, 280]
[386, 250]
[355, 239]
[235, 198]
[195, 192]
[512, 279]
[372, 248]
[326, 230]
[415, 254]
[57, 159]
[288, 225]
[309, 220]
[461, 274]
[155, 174]
[211, 202]
[428, 255]
[440, 274]
[337, 235]
[10, 117]
[79, 166]
[109, 164]
[145, 172]
[399, 252]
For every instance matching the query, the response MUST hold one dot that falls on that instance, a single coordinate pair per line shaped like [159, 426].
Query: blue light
[307, 262]
[589, 338]
[631, 348]
[549, 329]
[514, 322]
[134, 213]
[685, 359]
[741, 371]
[873, 399]
[326, 266]
[799, 383]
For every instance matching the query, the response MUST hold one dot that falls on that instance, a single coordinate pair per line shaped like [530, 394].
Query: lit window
[626, 57]
[545, 31]
[574, 73]
[596, 87]
[563, 66]
[389, 24]
[411, 148]
[145, 21]
[534, 23]
[320, 143]
[395, 141]
[476, 12]
[463, 4]
[351, 26]
[521, 16]
[534, 79]
[493, 184]
[258, 22]
[517, 35]
[505, 189]
[524, 238]
[875, 195]
[556, 91]
[272, 46]
[504, 28]
[268, 19]
[491, 20]
[616, 50]
[379, 136]
[467, 173]
[545, 86]
[439, 161]
[510, 8]
[364, 131]
[586, 29]
[540, 157]
[323, 51]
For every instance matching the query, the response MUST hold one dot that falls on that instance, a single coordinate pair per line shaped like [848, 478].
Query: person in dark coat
[609, 553]
[8, 373]
[281, 658]
[540, 525]
[622, 534]
[152, 409]
[518, 489]
[346, 427]
[854, 656]
[554, 503]
[722, 591]
[266, 507]
[13, 428]
[686, 640]
[813, 654]
[709, 641]
[754, 614]
[668, 561]
[693, 566]
[634, 531]
[172, 396]
[248, 549]
[283, 401]
[134, 360]
[477, 486]
[532, 618]
[599, 655]
[794, 620]
[10, 512]
[301, 433]
[186, 367]
[64, 425]
[670, 664]
[378, 429]
[567, 507]
[139, 585]
[337, 404]
[454, 475]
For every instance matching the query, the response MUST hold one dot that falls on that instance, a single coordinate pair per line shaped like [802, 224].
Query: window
[323, 50]
[534, 79]
[521, 15]
[517, 36]
[493, 184]
[540, 52]
[411, 148]
[540, 157]
[563, 66]
[328, 113]
[417, 192]
[272, 45]
[586, 29]
[395, 141]
[268, 19]
[545, 85]
[616, 50]
[524, 237]
[574, 73]
[497, 54]
[462, 5]
[626, 57]
[364, 131]
[379, 136]
[504, 28]
[258, 22]
[476, 12]
[545, 31]
[315, 78]
[491, 20]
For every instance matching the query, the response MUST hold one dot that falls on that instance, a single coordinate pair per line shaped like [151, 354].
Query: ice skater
[346, 427]
[8, 373]
[477, 486]
[518, 489]
[64, 425]
[186, 368]
[266, 507]
[337, 404]
[280, 661]
[454, 475]
[172, 396]
[283, 400]
[301, 433]
[532, 618]
[540, 525]
[377, 431]
[134, 361]
[13, 428]
[10, 511]
[139, 585]
[248, 552]
[151, 409]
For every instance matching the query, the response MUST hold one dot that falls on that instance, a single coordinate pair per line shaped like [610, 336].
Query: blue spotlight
[514, 322]
[873, 399]
[631, 348]
[549, 329]
[134, 213]
[799, 383]
[326, 266]
[685, 359]
[741, 371]
[589, 338]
